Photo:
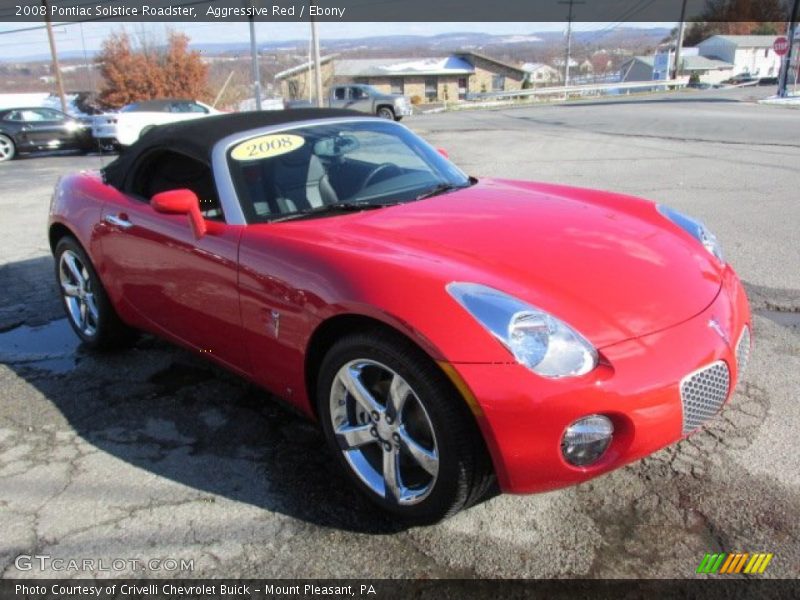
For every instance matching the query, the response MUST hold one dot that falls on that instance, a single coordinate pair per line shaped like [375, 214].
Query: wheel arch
[57, 231]
[332, 329]
[329, 331]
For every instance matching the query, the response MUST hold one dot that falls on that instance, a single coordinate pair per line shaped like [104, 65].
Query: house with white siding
[749, 54]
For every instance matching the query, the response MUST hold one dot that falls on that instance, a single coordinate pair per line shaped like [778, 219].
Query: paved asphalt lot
[153, 454]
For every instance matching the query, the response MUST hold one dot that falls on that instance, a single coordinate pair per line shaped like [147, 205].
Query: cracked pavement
[153, 453]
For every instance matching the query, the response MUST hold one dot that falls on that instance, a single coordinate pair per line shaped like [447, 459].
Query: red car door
[176, 284]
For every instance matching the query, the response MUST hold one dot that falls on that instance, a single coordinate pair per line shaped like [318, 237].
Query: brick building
[449, 78]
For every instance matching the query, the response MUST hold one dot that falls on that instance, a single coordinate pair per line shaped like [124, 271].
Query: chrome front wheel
[384, 431]
[399, 429]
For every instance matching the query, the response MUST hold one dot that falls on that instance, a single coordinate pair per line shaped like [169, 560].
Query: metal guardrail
[580, 89]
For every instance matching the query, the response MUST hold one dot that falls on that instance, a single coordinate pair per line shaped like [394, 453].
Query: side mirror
[181, 202]
[444, 153]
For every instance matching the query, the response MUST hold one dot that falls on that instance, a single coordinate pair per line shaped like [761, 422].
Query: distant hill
[516, 46]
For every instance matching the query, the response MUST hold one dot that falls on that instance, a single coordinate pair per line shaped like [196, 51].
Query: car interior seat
[301, 182]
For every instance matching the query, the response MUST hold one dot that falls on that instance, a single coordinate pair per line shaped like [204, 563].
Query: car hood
[609, 265]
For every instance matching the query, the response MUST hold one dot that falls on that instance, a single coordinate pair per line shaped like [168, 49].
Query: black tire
[9, 149]
[385, 112]
[465, 475]
[106, 331]
[398, 118]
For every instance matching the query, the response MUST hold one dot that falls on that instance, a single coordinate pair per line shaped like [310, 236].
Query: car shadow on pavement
[164, 410]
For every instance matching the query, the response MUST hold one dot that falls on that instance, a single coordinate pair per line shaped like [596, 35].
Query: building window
[431, 89]
[463, 88]
[396, 83]
[498, 83]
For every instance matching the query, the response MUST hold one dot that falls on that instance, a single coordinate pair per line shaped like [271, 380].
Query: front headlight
[538, 340]
[695, 228]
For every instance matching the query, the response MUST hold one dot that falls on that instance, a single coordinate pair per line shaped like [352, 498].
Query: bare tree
[144, 73]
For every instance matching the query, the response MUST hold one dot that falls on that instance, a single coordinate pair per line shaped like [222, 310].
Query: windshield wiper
[329, 208]
[439, 188]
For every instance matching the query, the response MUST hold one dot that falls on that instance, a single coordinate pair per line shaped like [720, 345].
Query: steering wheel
[381, 168]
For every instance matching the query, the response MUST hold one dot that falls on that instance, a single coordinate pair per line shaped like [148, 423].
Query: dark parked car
[741, 79]
[36, 128]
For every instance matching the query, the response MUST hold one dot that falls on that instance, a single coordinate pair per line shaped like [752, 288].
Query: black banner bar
[613, 11]
[729, 588]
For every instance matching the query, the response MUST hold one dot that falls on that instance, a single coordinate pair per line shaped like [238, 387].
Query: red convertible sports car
[453, 337]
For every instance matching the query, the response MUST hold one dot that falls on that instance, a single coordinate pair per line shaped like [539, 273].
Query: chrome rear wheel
[78, 295]
[86, 303]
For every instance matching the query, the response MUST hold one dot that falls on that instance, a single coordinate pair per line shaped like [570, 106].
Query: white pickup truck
[123, 128]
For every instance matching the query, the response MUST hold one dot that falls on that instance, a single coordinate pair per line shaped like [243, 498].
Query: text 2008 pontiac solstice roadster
[451, 336]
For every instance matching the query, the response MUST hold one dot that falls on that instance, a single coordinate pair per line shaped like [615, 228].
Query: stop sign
[781, 45]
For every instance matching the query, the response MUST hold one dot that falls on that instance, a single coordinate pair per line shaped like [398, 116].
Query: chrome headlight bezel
[694, 227]
[535, 338]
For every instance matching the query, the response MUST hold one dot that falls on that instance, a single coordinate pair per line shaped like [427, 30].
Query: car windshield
[328, 168]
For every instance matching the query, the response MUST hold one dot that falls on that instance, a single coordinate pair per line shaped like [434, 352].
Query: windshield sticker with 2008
[267, 146]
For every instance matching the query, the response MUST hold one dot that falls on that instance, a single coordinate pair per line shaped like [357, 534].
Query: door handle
[120, 221]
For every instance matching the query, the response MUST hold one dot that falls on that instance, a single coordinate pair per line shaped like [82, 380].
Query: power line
[626, 16]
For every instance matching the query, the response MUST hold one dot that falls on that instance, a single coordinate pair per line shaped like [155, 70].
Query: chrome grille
[743, 351]
[703, 393]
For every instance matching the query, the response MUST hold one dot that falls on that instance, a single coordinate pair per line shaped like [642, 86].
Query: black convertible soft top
[197, 137]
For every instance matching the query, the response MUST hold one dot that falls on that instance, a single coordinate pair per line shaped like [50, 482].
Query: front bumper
[403, 110]
[637, 386]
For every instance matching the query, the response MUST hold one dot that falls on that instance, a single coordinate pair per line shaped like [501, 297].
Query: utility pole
[569, 37]
[681, 29]
[317, 70]
[54, 55]
[787, 58]
[87, 65]
[254, 60]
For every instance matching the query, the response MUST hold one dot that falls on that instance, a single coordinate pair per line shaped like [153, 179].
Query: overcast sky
[68, 37]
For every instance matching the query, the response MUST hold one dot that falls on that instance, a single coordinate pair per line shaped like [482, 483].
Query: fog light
[586, 439]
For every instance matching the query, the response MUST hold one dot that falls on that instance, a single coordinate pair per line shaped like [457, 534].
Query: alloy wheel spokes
[351, 379]
[354, 437]
[78, 297]
[91, 306]
[390, 450]
[75, 268]
[399, 391]
[71, 290]
[427, 459]
[391, 476]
